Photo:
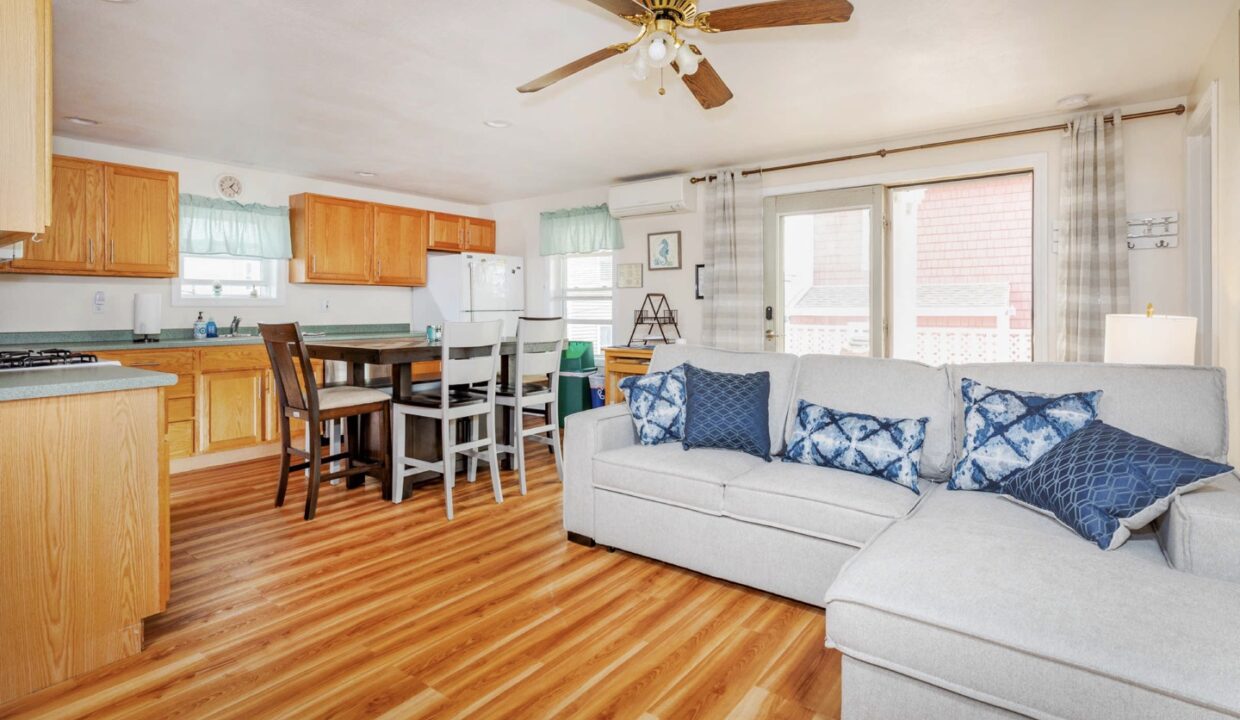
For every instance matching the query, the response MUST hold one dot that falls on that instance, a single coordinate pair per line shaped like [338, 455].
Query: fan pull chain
[662, 90]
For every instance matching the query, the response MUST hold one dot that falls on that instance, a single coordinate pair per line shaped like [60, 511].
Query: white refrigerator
[470, 288]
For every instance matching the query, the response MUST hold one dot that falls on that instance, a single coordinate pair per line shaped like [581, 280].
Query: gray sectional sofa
[948, 604]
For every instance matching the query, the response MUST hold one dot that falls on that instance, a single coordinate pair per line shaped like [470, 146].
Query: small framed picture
[699, 282]
[663, 251]
[629, 275]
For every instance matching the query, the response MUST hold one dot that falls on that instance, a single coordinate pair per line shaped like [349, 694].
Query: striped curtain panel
[1093, 240]
[733, 313]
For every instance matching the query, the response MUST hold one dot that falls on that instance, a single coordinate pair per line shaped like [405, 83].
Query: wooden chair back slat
[287, 349]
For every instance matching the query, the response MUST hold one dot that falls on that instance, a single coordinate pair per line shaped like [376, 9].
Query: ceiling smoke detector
[1073, 102]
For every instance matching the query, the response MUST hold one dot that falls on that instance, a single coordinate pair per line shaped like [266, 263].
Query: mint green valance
[580, 230]
[210, 226]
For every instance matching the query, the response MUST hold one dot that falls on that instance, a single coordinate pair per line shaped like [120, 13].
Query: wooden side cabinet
[107, 220]
[232, 409]
[25, 119]
[400, 246]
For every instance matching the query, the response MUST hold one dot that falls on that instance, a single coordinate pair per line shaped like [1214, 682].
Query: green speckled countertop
[171, 339]
[78, 380]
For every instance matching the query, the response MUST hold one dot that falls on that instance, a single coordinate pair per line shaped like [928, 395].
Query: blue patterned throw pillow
[882, 447]
[1006, 431]
[1104, 483]
[728, 411]
[657, 404]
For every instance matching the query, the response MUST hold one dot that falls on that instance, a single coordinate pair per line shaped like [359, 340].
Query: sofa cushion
[1181, 407]
[781, 366]
[668, 473]
[1038, 623]
[831, 504]
[887, 448]
[728, 411]
[657, 403]
[1200, 533]
[1103, 483]
[1007, 430]
[887, 388]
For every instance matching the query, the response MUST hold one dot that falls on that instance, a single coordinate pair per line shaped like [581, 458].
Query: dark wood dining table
[400, 353]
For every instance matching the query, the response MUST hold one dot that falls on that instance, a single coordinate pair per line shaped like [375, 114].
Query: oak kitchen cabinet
[333, 240]
[400, 245]
[107, 220]
[26, 119]
[224, 398]
[447, 232]
[479, 235]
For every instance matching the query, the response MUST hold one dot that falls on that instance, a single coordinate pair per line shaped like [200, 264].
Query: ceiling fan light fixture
[687, 60]
[660, 49]
[639, 68]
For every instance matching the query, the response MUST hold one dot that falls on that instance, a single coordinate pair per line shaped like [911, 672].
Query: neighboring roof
[968, 295]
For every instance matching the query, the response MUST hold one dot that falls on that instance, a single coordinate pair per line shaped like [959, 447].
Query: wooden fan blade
[707, 86]
[781, 13]
[572, 68]
[623, 8]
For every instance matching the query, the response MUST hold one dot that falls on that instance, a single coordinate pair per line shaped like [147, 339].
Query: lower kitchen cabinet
[225, 397]
[232, 410]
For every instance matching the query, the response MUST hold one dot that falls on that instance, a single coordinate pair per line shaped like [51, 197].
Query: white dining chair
[470, 357]
[540, 342]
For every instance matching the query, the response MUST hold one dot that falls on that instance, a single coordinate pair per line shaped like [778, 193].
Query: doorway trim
[1203, 204]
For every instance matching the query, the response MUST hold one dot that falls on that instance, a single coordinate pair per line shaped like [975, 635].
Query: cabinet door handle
[379, 269]
[90, 251]
[314, 263]
[112, 252]
[144, 364]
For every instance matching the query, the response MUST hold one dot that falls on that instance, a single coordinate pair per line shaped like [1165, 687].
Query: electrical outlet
[326, 305]
[99, 301]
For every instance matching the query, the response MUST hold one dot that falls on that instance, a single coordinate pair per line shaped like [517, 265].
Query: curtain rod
[1177, 110]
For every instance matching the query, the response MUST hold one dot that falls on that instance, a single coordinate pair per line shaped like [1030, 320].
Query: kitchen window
[228, 281]
[588, 283]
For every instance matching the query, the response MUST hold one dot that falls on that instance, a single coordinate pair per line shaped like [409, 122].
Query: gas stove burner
[11, 359]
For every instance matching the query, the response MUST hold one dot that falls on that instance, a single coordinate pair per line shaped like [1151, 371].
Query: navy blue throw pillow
[728, 411]
[1104, 483]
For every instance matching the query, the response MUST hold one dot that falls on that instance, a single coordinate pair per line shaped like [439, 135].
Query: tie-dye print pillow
[657, 404]
[1006, 431]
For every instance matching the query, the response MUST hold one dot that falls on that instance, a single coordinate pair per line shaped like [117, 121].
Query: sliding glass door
[939, 272]
[824, 289]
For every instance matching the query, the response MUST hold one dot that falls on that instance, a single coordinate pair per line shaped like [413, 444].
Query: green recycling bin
[576, 367]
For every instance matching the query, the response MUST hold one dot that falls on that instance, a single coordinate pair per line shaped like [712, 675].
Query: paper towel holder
[148, 311]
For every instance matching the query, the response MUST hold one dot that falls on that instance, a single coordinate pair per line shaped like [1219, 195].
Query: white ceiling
[324, 88]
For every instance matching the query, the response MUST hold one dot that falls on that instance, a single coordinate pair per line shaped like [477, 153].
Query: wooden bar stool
[540, 342]
[470, 355]
[301, 399]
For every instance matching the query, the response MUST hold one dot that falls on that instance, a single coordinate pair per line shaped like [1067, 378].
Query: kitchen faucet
[235, 325]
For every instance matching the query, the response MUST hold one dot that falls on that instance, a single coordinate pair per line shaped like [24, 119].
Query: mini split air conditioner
[652, 197]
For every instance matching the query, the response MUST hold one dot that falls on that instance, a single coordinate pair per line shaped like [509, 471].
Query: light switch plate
[100, 301]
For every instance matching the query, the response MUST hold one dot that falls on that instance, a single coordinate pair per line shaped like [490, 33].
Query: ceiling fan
[660, 45]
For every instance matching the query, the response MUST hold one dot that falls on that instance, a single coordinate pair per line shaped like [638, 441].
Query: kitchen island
[83, 520]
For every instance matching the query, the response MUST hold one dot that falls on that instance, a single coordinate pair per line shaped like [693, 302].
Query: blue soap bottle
[212, 329]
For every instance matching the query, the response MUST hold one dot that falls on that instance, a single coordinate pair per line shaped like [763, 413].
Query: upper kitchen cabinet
[479, 235]
[141, 225]
[25, 119]
[400, 245]
[447, 232]
[107, 219]
[73, 242]
[332, 240]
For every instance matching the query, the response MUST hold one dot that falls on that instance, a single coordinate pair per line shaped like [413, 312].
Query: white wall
[1154, 153]
[30, 303]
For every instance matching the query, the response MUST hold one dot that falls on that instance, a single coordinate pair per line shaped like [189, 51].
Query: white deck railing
[935, 346]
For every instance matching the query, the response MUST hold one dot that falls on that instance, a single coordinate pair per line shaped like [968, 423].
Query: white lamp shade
[1157, 340]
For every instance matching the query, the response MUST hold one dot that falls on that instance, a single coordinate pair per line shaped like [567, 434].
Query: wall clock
[229, 186]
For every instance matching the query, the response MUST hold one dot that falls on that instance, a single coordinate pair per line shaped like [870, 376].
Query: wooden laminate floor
[382, 610]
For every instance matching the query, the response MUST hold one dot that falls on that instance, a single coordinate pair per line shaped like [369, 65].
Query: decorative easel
[654, 314]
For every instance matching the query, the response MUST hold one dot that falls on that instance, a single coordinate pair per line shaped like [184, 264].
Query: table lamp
[1151, 339]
